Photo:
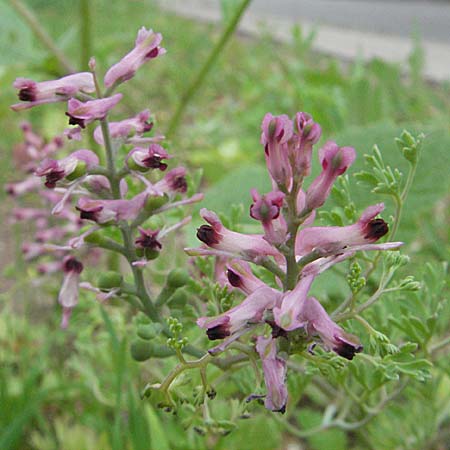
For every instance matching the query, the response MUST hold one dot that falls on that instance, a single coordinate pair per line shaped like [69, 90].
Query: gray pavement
[398, 18]
[348, 28]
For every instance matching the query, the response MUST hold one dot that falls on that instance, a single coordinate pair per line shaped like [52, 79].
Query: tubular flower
[173, 182]
[233, 322]
[287, 315]
[318, 322]
[335, 161]
[308, 133]
[105, 211]
[274, 368]
[335, 240]
[240, 275]
[68, 294]
[82, 113]
[276, 133]
[266, 208]
[146, 47]
[142, 159]
[30, 184]
[147, 243]
[72, 167]
[248, 247]
[33, 93]
[134, 126]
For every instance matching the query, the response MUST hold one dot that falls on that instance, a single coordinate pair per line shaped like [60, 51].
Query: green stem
[85, 33]
[440, 345]
[203, 72]
[273, 267]
[400, 201]
[293, 222]
[187, 365]
[33, 22]
[371, 300]
[110, 159]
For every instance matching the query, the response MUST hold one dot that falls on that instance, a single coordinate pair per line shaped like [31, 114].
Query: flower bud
[177, 278]
[78, 172]
[109, 280]
[147, 332]
[95, 238]
[155, 202]
[141, 350]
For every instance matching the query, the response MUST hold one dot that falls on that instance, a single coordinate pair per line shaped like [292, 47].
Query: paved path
[348, 28]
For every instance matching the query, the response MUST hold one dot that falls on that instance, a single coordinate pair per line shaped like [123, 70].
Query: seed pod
[141, 350]
[178, 278]
[109, 280]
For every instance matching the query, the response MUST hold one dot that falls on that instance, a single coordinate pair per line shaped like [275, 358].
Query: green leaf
[158, 437]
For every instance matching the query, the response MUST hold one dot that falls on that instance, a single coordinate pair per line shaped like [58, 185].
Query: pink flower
[30, 184]
[68, 294]
[73, 134]
[148, 240]
[317, 322]
[82, 113]
[274, 368]
[152, 157]
[276, 133]
[266, 208]
[234, 322]
[216, 236]
[134, 126]
[308, 134]
[297, 310]
[174, 181]
[19, 214]
[72, 167]
[33, 93]
[287, 315]
[335, 240]
[335, 161]
[240, 276]
[146, 48]
[104, 211]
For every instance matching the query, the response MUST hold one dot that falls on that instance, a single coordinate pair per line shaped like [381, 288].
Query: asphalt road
[392, 17]
[348, 28]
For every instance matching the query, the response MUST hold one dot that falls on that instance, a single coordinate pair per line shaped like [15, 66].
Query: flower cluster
[292, 248]
[86, 196]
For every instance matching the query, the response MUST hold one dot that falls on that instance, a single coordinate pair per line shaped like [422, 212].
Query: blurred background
[365, 70]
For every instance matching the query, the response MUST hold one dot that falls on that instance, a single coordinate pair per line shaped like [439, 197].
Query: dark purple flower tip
[234, 278]
[92, 214]
[376, 229]
[153, 53]
[76, 120]
[253, 397]
[218, 332]
[276, 330]
[72, 265]
[347, 350]
[148, 239]
[155, 162]
[147, 126]
[27, 94]
[179, 184]
[53, 177]
[208, 235]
